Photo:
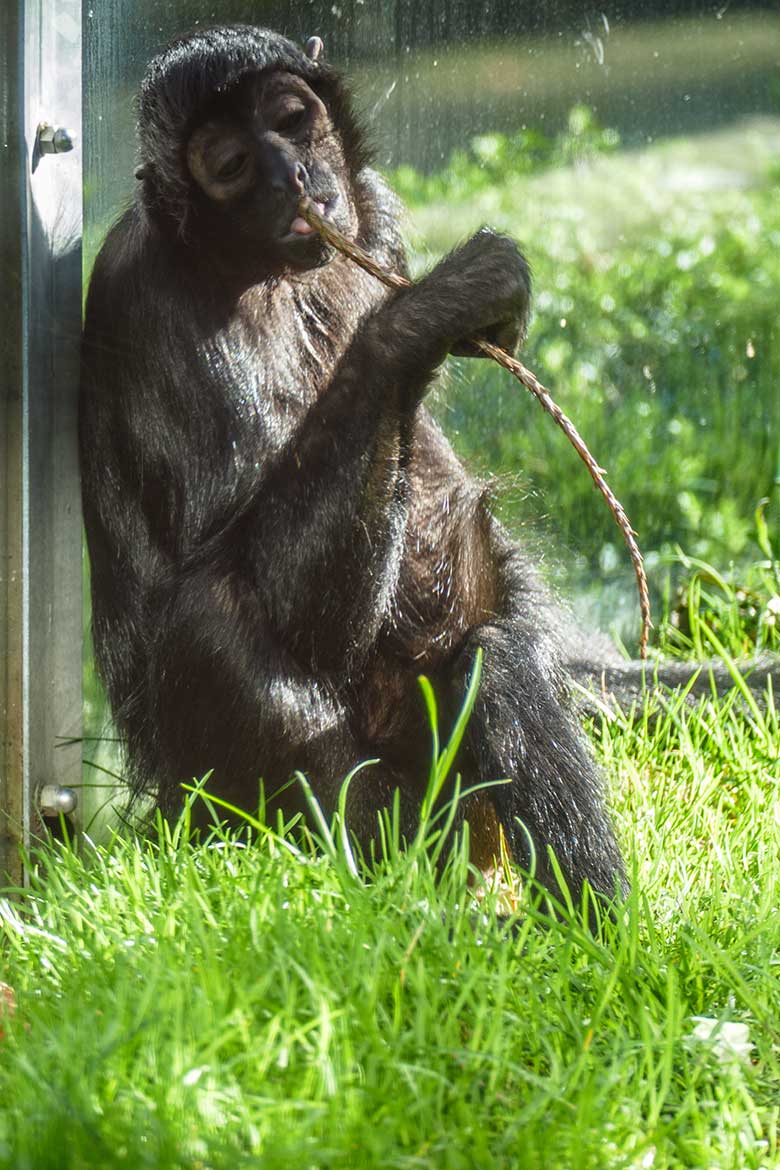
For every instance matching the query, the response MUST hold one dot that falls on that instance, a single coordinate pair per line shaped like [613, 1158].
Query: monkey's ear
[141, 173]
[314, 47]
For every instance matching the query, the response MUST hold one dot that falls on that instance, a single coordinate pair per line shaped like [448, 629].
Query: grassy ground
[219, 1006]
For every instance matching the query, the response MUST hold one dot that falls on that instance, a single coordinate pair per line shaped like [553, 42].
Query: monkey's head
[235, 124]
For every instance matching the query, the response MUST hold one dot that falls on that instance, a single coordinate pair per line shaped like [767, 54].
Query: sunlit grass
[251, 1001]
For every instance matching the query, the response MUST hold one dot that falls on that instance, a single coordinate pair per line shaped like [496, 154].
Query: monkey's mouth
[299, 226]
[299, 229]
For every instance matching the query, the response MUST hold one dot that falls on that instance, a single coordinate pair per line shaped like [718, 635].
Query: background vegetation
[656, 329]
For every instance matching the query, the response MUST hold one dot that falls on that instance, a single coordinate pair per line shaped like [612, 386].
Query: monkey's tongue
[299, 224]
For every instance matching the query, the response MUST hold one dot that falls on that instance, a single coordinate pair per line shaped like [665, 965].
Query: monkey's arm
[346, 502]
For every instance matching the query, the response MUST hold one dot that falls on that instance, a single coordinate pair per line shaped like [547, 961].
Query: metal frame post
[40, 520]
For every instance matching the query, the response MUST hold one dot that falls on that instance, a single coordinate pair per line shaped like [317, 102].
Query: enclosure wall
[40, 536]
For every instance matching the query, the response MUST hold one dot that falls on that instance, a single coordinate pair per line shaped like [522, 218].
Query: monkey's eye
[232, 167]
[291, 120]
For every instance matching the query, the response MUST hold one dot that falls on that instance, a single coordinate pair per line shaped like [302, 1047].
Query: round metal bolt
[54, 799]
[55, 139]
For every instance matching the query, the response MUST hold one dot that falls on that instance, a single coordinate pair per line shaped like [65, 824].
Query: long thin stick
[394, 280]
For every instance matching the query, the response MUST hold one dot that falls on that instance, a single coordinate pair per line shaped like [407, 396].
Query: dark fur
[281, 538]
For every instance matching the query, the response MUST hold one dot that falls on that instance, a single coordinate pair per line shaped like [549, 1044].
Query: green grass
[214, 1005]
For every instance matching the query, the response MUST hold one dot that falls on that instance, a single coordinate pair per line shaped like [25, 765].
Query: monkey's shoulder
[382, 213]
[138, 292]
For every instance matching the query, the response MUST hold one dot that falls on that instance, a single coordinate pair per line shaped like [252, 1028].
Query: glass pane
[633, 150]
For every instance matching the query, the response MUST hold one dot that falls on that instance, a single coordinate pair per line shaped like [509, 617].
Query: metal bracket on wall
[51, 139]
[55, 800]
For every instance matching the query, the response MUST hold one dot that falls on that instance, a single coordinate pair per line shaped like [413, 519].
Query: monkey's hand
[487, 286]
[481, 291]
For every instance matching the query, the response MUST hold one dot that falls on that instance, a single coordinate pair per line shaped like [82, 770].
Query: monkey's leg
[225, 696]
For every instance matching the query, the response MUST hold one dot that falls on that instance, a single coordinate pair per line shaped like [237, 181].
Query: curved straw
[354, 252]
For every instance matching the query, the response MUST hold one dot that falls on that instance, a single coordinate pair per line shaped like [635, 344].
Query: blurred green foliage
[662, 343]
[490, 158]
[741, 608]
[669, 350]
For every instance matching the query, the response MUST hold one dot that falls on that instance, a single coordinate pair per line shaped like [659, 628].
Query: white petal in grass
[193, 1076]
[729, 1041]
[640, 1161]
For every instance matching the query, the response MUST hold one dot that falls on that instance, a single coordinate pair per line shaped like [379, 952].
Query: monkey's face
[263, 146]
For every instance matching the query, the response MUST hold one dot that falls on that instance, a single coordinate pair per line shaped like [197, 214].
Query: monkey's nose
[283, 173]
[299, 177]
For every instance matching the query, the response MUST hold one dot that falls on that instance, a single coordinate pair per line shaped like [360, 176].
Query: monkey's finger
[507, 336]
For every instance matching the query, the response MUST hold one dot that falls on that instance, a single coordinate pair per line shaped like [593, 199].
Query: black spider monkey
[281, 538]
